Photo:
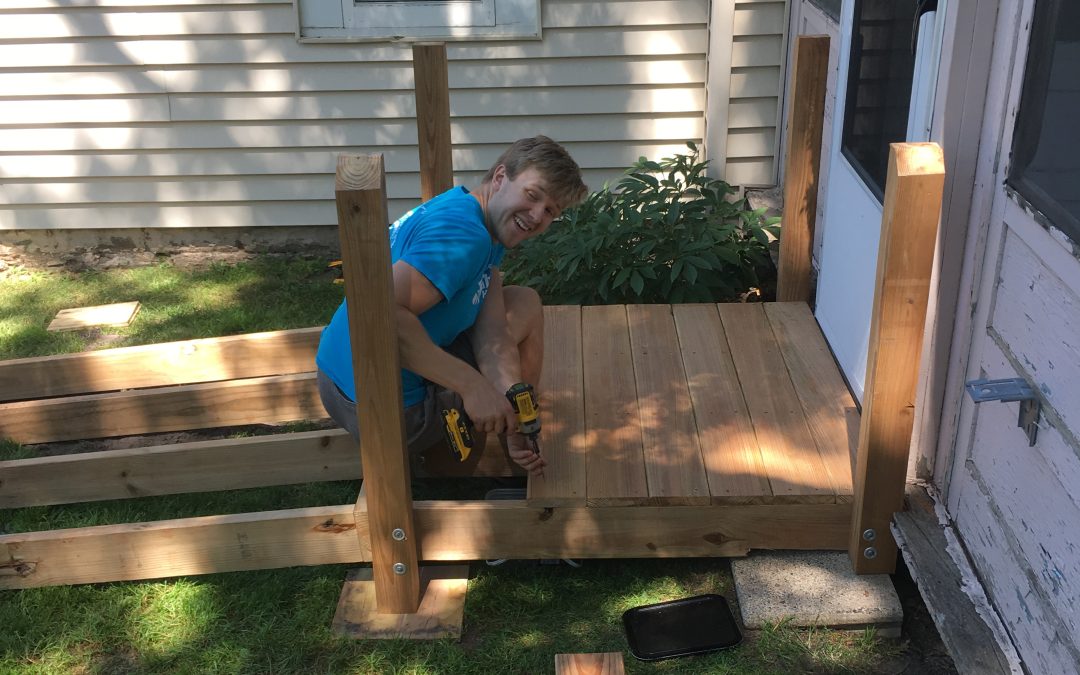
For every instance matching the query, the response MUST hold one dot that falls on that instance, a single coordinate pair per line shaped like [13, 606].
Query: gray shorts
[423, 421]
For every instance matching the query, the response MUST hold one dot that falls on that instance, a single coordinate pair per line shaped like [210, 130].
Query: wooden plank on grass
[440, 615]
[446, 531]
[830, 410]
[608, 663]
[80, 318]
[673, 464]
[729, 446]
[796, 472]
[184, 362]
[616, 465]
[562, 412]
[261, 400]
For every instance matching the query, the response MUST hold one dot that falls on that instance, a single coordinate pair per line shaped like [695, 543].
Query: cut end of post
[359, 172]
[918, 159]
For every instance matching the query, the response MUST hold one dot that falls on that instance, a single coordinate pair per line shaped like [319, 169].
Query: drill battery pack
[458, 429]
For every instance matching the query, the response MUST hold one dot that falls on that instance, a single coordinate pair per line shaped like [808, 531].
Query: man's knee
[523, 303]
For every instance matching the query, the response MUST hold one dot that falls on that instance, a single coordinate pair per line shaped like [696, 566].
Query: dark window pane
[879, 85]
[1046, 146]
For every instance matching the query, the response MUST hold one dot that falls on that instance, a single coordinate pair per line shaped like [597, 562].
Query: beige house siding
[200, 113]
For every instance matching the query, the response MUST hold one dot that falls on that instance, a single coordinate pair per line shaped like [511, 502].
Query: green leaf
[637, 282]
[691, 274]
[621, 277]
[675, 269]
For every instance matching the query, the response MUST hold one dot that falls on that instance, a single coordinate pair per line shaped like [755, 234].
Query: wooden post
[909, 225]
[806, 115]
[360, 191]
[432, 92]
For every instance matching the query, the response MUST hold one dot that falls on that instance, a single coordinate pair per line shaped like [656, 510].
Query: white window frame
[408, 20]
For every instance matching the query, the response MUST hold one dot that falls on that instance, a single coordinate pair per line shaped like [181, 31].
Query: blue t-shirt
[444, 239]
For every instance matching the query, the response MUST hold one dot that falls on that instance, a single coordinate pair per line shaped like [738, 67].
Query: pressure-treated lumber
[562, 412]
[79, 318]
[616, 466]
[913, 190]
[440, 615]
[673, 464]
[184, 362]
[608, 663]
[729, 446]
[830, 411]
[445, 531]
[806, 117]
[260, 400]
[788, 451]
[360, 193]
[432, 92]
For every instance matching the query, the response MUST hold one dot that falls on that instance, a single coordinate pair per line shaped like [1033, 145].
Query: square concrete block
[814, 589]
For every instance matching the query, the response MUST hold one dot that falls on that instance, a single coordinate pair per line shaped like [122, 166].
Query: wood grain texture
[674, 466]
[608, 663]
[365, 251]
[79, 318]
[913, 190]
[806, 115]
[260, 400]
[447, 531]
[562, 412]
[432, 91]
[830, 411]
[733, 463]
[184, 362]
[616, 465]
[791, 458]
[440, 615]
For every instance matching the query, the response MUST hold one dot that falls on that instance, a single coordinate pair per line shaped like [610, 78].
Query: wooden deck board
[616, 466]
[562, 412]
[830, 410]
[733, 463]
[674, 467]
[791, 458]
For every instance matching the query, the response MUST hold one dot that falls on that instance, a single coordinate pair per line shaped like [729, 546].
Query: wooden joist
[262, 400]
[446, 531]
[184, 362]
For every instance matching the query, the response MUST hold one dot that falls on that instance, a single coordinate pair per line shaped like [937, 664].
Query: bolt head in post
[399, 568]
[869, 534]
[398, 534]
[869, 553]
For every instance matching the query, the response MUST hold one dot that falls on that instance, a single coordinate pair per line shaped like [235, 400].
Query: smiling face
[519, 209]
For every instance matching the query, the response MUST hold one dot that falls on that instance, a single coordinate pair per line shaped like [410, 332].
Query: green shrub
[665, 232]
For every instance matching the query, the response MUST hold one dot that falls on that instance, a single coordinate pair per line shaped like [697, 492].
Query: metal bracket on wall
[1015, 389]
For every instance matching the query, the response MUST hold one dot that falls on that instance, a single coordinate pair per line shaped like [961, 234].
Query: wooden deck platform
[692, 405]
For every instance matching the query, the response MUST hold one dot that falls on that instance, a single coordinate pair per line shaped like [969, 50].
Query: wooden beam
[909, 223]
[432, 91]
[445, 530]
[441, 612]
[261, 400]
[608, 663]
[360, 192]
[170, 363]
[806, 117]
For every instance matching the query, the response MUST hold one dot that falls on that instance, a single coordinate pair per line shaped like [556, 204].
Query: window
[1045, 166]
[418, 19]
[879, 85]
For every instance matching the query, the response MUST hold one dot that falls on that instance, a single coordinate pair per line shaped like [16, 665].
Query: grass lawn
[517, 615]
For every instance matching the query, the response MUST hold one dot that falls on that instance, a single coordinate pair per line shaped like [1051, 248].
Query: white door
[885, 85]
[1017, 505]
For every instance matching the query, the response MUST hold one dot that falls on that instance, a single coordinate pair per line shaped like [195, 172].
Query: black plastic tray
[703, 623]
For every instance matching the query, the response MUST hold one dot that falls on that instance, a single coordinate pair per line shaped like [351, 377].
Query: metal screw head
[399, 568]
[869, 534]
[398, 534]
[869, 553]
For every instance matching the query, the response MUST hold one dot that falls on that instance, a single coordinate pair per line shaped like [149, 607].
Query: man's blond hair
[551, 160]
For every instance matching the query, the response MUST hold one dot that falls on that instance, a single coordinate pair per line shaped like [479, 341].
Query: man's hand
[524, 455]
[489, 410]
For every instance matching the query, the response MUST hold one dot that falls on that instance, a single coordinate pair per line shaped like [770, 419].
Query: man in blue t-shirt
[465, 339]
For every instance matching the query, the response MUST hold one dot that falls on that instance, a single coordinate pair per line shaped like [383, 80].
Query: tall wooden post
[909, 227]
[806, 115]
[360, 190]
[432, 91]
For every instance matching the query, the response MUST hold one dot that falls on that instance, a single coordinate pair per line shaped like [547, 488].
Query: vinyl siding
[136, 113]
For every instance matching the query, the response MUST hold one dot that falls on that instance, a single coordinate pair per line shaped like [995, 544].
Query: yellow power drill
[459, 427]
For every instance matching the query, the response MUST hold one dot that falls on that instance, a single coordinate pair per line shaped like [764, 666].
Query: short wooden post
[432, 92]
[806, 115]
[909, 227]
[360, 191]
